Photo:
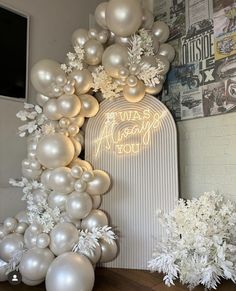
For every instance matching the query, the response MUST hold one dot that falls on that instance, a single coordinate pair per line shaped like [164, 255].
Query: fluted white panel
[142, 182]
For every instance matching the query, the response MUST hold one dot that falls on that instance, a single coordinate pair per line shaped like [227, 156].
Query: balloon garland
[63, 233]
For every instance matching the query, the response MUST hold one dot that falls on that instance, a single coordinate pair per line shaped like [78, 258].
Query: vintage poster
[225, 68]
[191, 105]
[225, 46]
[161, 10]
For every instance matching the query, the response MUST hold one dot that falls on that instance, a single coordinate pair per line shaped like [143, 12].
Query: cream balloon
[44, 74]
[22, 217]
[87, 176]
[115, 57]
[56, 199]
[103, 36]
[69, 105]
[70, 271]
[21, 227]
[55, 150]
[161, 31]
[41, 99]
[124, 17]
[76, 172]
[109, 251]
[43, 240]
[63, 238]
[80, 138]
[78, 120]
[10, 245]
[80, 186]
[83, 81]
[135, 93]
[100, 14]
[61, 180]
[93, 33]
[97, 201]
[93, 51]
[51, 110]
[35, 263]
[77, 146]
[167, 51]
[147, 19]
[31, 174]
[45, 177]
[93, 255]
[84, 164]
[96, 218]
[125, 41]
[154, 90]
[100, 183]
[78, 205]
[89, 105]
[80, 37]
[31, 282]
[10, 224]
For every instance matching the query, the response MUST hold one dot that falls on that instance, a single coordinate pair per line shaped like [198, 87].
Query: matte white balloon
[100, 14]
[63, 238]
[78, 205]
[161, 31]
[109, 251]
[10, 245]
[80, 37]
[35, 263]
[61, 180]
[83, 81]
[72, 272]
[69, 105]
[93, 51]
[124, 17]
[89, 105]
[55, 150]
[56, 199]
[100, 183]
[96, 218]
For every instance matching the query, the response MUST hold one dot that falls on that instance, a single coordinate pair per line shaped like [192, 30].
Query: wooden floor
[123, 280]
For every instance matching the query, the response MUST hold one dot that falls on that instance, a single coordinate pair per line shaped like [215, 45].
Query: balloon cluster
[63, 233]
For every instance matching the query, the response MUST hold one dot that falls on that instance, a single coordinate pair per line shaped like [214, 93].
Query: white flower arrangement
[75, 60]
[200, 245]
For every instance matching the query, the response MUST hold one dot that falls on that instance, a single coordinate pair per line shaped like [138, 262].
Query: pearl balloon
[56, 199]
[109, 251]
[31, 282]
[78, 120]
[45, 177]
[72, 272]
[41, 99]
[96, 218]
[9, 245]
[31, 174]
[44, 74]
[83, 81]
[125, 41]
[51, 110]
[132, 81]
[97, 201]
[63, 238]
[69, 105]
[154, 90]
[135, 93]
[89, 105]
[103, 36]
[167, 51]
[100, 14]
[94, 255]
[55, 150]
[84, 164]
[80, 186]
[124, 17]
[61, 180]
[80, 37]
[93, 33]
[100, 184]
[76, 172]
[35, 263]
[93, 51]
[3, 232]
[10, 224]
[88, 176]
[147, 19]
[77, 147]
[30, 237]
[115, 57]
[80, 138]
[22, 217]
[161, 31]
[78, 205]
[21, 227]
[43, 240]
[73, 129]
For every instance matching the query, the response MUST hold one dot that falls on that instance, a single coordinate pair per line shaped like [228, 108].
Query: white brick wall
[207, 155]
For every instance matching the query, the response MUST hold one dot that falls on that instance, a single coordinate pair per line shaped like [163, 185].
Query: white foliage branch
[88, 240]
[147, 42]
[32, 114]
[151, 76]
[104, 83]
[75, 60]
[200, 245]
[28, 186]
[14, 262]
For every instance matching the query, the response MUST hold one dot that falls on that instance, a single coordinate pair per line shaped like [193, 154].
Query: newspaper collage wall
[202, 81]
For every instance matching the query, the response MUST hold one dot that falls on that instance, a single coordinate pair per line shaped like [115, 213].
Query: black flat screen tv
[13, 54]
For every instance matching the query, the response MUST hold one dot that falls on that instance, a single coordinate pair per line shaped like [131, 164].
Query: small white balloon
[43, 240]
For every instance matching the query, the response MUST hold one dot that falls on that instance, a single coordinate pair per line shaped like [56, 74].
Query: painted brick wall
[207, 155]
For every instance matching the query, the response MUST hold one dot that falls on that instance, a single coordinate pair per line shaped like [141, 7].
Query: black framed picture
[14, 43]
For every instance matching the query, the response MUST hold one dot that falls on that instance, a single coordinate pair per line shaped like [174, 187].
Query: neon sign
[128, 132]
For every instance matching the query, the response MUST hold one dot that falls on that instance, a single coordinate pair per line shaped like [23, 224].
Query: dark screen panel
[13, 54]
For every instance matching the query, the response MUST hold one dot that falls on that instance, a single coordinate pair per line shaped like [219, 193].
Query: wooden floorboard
[124, 280]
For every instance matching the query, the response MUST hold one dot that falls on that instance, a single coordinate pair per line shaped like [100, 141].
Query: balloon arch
[63, 233]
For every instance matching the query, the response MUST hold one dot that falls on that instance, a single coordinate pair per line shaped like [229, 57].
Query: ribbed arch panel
[142, 182]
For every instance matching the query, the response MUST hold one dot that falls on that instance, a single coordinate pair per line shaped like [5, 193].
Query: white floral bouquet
[200, 244]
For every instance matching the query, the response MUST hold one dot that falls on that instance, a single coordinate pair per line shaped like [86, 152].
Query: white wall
[207, 155]
[51, 26]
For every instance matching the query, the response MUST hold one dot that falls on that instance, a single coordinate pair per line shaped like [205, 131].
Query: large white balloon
[96, 218]
[100, 14]
[68, 105]
[83, 81]
[61, 180]
[100, 183]
[89, 105]
[161, 31]
[93, 51]
[80, 37]
[72, 272]
[78, 205]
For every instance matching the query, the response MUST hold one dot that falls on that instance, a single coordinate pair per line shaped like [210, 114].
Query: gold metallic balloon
[96, 218]
[167, 51]
[124, 17]
[93, 51]
[161, 31]
[55, 150]
[135, 93]
[51, 110]
[61, 180]
[71, 272]
[44, 74]
[83, 81]
[100, 183]
[41, 99]
[35, 263]
[56, 199]
[100, 14]
[115, 57]
[78, 205]
[89, 105]
[9, 245]
[69, 105]
[80, 37]
[109, 251]
[63, 238]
